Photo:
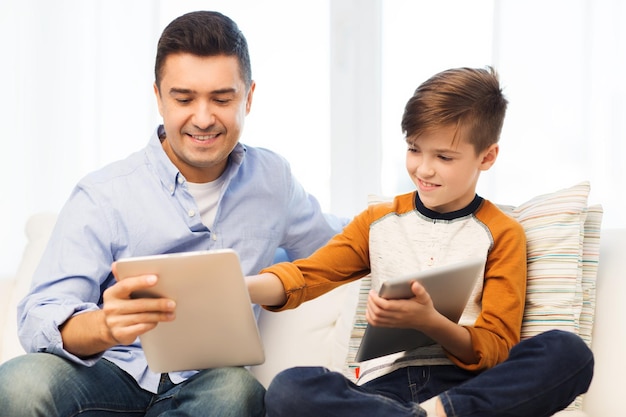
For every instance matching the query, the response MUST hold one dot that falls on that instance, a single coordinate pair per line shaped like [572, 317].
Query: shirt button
[171, 188]
[191, 212]
[180, 180]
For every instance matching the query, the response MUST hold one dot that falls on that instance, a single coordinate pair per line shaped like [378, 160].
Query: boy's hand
[416, 313]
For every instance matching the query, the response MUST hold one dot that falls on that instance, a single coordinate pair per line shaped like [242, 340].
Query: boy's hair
[470, 99]
[203, 33]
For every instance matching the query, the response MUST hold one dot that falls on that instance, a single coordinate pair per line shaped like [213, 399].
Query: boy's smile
[445, 169]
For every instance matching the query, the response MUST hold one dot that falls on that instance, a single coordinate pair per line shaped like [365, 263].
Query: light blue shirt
[141, 206]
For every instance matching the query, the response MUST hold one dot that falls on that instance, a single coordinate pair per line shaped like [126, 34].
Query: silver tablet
[450, 288]
[215, 325]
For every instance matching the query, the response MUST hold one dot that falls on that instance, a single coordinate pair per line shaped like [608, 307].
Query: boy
[478, 367]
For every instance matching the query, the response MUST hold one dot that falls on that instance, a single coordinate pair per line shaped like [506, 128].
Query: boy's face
[203, 102]
[446, 173]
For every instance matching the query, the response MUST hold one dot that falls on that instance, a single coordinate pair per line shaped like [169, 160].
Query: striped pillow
[591, 258]
[554, 226]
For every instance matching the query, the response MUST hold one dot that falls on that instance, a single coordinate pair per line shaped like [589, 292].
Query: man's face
[203, 102]
[444, 173]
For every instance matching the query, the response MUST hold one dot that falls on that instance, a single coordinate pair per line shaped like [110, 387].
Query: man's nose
[203, 116]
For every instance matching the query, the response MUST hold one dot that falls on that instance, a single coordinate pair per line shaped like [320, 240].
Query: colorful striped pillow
[591, 258]
[554, 226]
[563, 248]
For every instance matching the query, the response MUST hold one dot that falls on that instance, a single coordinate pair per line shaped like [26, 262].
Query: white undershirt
[206, 195]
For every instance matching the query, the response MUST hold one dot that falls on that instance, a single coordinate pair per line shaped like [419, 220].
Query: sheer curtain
[78, 77]
[333, 77]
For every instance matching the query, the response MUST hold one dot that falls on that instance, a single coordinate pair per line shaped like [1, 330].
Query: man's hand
[127, 317]
[120, 321]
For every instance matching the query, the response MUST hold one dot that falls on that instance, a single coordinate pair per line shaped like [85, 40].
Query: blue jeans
[41, 384]
[542, 375]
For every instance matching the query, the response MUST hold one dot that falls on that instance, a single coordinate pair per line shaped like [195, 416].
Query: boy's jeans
[542, 375]
[42, 384]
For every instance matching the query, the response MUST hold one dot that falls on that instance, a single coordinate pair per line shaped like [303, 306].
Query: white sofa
[315, 333]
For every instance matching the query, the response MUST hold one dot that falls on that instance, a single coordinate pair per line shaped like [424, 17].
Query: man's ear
[489, 156]
[157, 94]
[249, 97]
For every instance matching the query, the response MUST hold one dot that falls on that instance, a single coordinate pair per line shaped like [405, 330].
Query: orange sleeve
[343, 259]
[498, 326]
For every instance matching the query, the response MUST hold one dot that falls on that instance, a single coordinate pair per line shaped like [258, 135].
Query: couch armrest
[38, 229]
[6, 289]
[609, 333]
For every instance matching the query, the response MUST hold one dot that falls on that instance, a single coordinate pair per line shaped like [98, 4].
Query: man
[193, 187]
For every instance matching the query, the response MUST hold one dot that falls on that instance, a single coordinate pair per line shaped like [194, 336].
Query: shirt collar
[465, 211]
[169, 174]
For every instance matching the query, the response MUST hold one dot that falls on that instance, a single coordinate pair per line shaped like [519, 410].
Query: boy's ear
[489, 156]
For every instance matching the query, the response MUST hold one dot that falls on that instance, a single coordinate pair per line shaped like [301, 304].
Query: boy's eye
[183, 100]
[445, 158]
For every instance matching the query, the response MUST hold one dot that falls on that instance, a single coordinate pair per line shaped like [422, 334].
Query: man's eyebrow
[175, 90]
[227, 90]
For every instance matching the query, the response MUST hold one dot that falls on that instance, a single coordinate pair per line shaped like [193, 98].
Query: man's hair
[203, 33]
[470, 99]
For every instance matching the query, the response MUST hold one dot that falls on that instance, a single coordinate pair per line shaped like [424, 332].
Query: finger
[124, 288]
[421, 295]
[114, 270]
[125, 306]
[129, 319]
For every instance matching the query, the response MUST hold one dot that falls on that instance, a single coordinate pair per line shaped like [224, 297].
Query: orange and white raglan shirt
[392, 239]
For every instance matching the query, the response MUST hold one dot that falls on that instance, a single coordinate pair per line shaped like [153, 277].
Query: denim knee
[568, 346]
[568, 355]
[287, 391]
[230, 391]
[25, 385]
[282, 389]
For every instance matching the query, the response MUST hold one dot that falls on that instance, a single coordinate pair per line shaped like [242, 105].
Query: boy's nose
[425, 168]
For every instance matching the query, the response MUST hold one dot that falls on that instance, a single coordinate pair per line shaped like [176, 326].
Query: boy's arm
[343, 259]
[266, 289]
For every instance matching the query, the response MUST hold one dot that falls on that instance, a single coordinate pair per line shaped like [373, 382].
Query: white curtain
[77, 78]
[562, 65]
[78, 94]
